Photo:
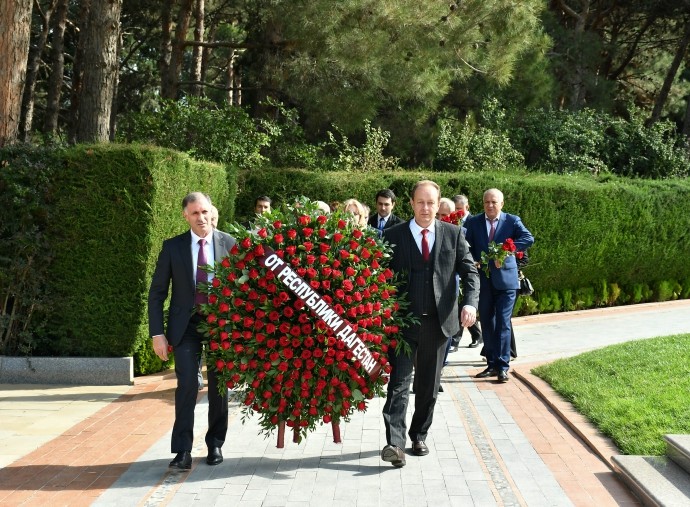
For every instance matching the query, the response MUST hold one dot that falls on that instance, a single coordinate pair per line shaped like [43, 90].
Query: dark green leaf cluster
[25, 250]
[199, 128]
[80, 242]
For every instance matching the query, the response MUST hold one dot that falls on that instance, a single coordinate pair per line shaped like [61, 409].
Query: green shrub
[614, 294]
[25, 249]
[463, 147]
[110, 208]
[685, 289]
[666, 290]
[369, 157]
[200, 128]
[588, 141]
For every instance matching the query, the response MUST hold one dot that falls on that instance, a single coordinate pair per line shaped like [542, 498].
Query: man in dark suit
[180, 263]
[499, 289]
[428, 253]
[462, 203]
[384, 217]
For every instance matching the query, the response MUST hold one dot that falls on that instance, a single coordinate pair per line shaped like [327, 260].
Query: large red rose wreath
[300, 318]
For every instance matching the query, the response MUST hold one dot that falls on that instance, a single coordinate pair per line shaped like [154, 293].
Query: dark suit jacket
[451, 255]
[175, 265]
[392, 220]
[509, 226]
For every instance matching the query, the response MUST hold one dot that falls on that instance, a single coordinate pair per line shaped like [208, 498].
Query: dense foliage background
[578, 111]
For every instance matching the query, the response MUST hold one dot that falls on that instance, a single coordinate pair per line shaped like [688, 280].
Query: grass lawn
[634, 392]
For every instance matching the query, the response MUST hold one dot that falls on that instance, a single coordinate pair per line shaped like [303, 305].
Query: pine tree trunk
[15, 20]
[57, 69]
[197, 53]
[165, 47]
[27, 114]
[77, 74]
[670, 76]
[178, 47]
[100, 71]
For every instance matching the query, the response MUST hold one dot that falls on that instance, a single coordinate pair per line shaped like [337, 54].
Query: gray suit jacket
[451, 256]
[175, 265]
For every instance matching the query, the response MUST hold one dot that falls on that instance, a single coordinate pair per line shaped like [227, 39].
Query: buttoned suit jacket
[451, 255]
[174, 266]
[508, 226]
[392, 220]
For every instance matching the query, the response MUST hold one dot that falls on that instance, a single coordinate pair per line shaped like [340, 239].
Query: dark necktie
[382, 223]
[425, 245]
[201, 297]
[493, 230]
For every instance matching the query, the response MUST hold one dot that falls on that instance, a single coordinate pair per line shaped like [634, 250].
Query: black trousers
[429, 345]
[187, 355]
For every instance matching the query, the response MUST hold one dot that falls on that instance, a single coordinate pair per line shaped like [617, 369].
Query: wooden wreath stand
[335, 428]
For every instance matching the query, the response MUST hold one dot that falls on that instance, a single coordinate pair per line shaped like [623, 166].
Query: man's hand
[468, 316]
[160, 346]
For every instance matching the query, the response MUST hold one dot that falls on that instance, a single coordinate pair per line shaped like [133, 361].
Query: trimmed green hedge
[599, 241]
[113, 205]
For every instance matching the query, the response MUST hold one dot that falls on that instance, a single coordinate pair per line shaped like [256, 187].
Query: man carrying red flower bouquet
[494, 237]
[430, 253]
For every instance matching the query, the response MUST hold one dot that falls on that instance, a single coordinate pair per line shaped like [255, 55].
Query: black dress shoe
[474, 344]
[419, 448]
[489, 372]
[503, 376]
[393, 455]
[215, 456]
[440, 388]
[183, 461]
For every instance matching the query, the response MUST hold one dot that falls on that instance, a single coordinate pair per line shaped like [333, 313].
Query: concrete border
[96, 371]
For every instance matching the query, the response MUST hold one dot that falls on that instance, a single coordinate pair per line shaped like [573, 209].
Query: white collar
[417, 229]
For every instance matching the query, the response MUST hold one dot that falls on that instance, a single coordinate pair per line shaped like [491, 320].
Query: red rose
[292, 234]
[304, 219]
[262, 232]
[337, 237]
[322, 219]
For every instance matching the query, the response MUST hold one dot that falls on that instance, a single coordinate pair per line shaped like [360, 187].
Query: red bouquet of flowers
[301, 315]
[454, 218]
[497, 253]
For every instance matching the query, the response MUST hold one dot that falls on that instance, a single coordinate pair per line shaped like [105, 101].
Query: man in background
[262, 204]
[498, 290]
[384, 217]
[463, 204]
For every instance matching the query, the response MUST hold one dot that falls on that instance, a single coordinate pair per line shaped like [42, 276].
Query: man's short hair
[448, 202]
[422, 183]
[386, 193]
[194, 197]
[460, 200]
[264, 198]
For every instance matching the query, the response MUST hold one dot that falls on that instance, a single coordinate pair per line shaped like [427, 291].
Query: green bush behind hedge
[598, 241]
[113, 205]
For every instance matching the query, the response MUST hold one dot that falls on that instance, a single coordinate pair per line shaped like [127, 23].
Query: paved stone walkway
[491, 444]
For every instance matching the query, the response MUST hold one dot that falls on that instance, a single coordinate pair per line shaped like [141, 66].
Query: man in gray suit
[428, 253]
[181, 263]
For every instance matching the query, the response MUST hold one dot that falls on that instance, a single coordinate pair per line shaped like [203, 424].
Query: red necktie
[201, 297]
[425, 245]
[493, 230]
